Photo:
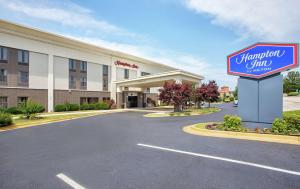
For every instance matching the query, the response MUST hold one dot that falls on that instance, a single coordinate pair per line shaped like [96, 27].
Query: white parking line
[69, 181]
[223, 159]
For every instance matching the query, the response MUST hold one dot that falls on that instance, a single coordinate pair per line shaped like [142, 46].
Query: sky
[193, 35]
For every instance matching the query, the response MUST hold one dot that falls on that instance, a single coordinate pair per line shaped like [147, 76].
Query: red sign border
[294, 65]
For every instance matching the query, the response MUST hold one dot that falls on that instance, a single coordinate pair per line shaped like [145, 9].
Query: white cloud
[65, 13]
[276, 20]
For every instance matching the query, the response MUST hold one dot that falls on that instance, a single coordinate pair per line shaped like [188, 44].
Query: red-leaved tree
[197, 96]
[176, 94]
[209, 92]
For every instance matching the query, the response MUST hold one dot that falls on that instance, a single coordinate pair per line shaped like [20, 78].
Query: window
[3, 54]
[3, 75]
[88, 100]
[83, 82]
[105, 78]
[144, 73]
[105, 70]
[3, 102]
[83, 66]
[92, 100]
[23, 57]
[126, 74]
[72, 82]
[22, 99]
[83, 100]
[72, 65]
[105, 83]
[23, 77]
[106, 99]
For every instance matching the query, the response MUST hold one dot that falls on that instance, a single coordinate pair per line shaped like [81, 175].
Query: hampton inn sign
[261, 84]
[263, 59]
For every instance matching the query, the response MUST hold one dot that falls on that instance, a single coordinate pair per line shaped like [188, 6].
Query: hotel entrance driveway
[127, 150]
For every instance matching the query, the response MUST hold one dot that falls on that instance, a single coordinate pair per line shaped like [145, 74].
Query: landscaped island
[285, 130]
[187, 112]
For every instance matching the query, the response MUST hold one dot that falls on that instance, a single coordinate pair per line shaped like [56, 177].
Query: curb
[243, 136]
[3, 129]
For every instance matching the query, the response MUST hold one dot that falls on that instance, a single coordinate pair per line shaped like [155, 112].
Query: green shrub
[72, 107]
[68, 106]
[279, 126]
[290, 124]
[232, 123]
[30, 108]
[231, 98]
[293, 122]
[293, 94]
[226, 100]
[92, 107]
[13, 110]
[95, 106]
[5, 119]
[60, 108]
[101, 106]
[85, 106]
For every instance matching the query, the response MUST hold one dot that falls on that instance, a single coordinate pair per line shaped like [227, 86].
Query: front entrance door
[132, 101]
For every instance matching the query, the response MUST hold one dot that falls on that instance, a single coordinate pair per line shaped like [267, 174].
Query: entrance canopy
[158, 80]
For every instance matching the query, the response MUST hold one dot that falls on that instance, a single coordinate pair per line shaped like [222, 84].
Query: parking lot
[127, 150]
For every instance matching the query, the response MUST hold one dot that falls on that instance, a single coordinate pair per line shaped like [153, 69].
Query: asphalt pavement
[104, 152]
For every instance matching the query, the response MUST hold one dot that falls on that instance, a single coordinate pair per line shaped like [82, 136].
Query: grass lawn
[189, 112]
[22, 123]
[202, 125]
[296, 112]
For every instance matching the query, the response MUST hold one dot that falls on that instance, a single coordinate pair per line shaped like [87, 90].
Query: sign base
[253, 125]
[260, 100]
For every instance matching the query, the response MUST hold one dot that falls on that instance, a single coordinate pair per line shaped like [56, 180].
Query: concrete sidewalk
[291, 103]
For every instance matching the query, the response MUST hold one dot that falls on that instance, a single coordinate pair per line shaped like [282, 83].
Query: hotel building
[51, 69]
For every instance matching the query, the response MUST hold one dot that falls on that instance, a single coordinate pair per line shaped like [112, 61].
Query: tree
[210, 92]
[291, 82]
[235, 92]
[175, 94]
[197, 96]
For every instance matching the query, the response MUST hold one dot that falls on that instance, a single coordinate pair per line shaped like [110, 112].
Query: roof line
[68, 40]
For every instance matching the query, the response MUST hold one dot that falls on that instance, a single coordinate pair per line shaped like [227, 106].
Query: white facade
[94, 77]
[38, 69]
[61, 73]
[50, 54]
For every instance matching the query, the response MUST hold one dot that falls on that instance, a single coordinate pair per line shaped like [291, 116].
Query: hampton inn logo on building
[125, 64]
